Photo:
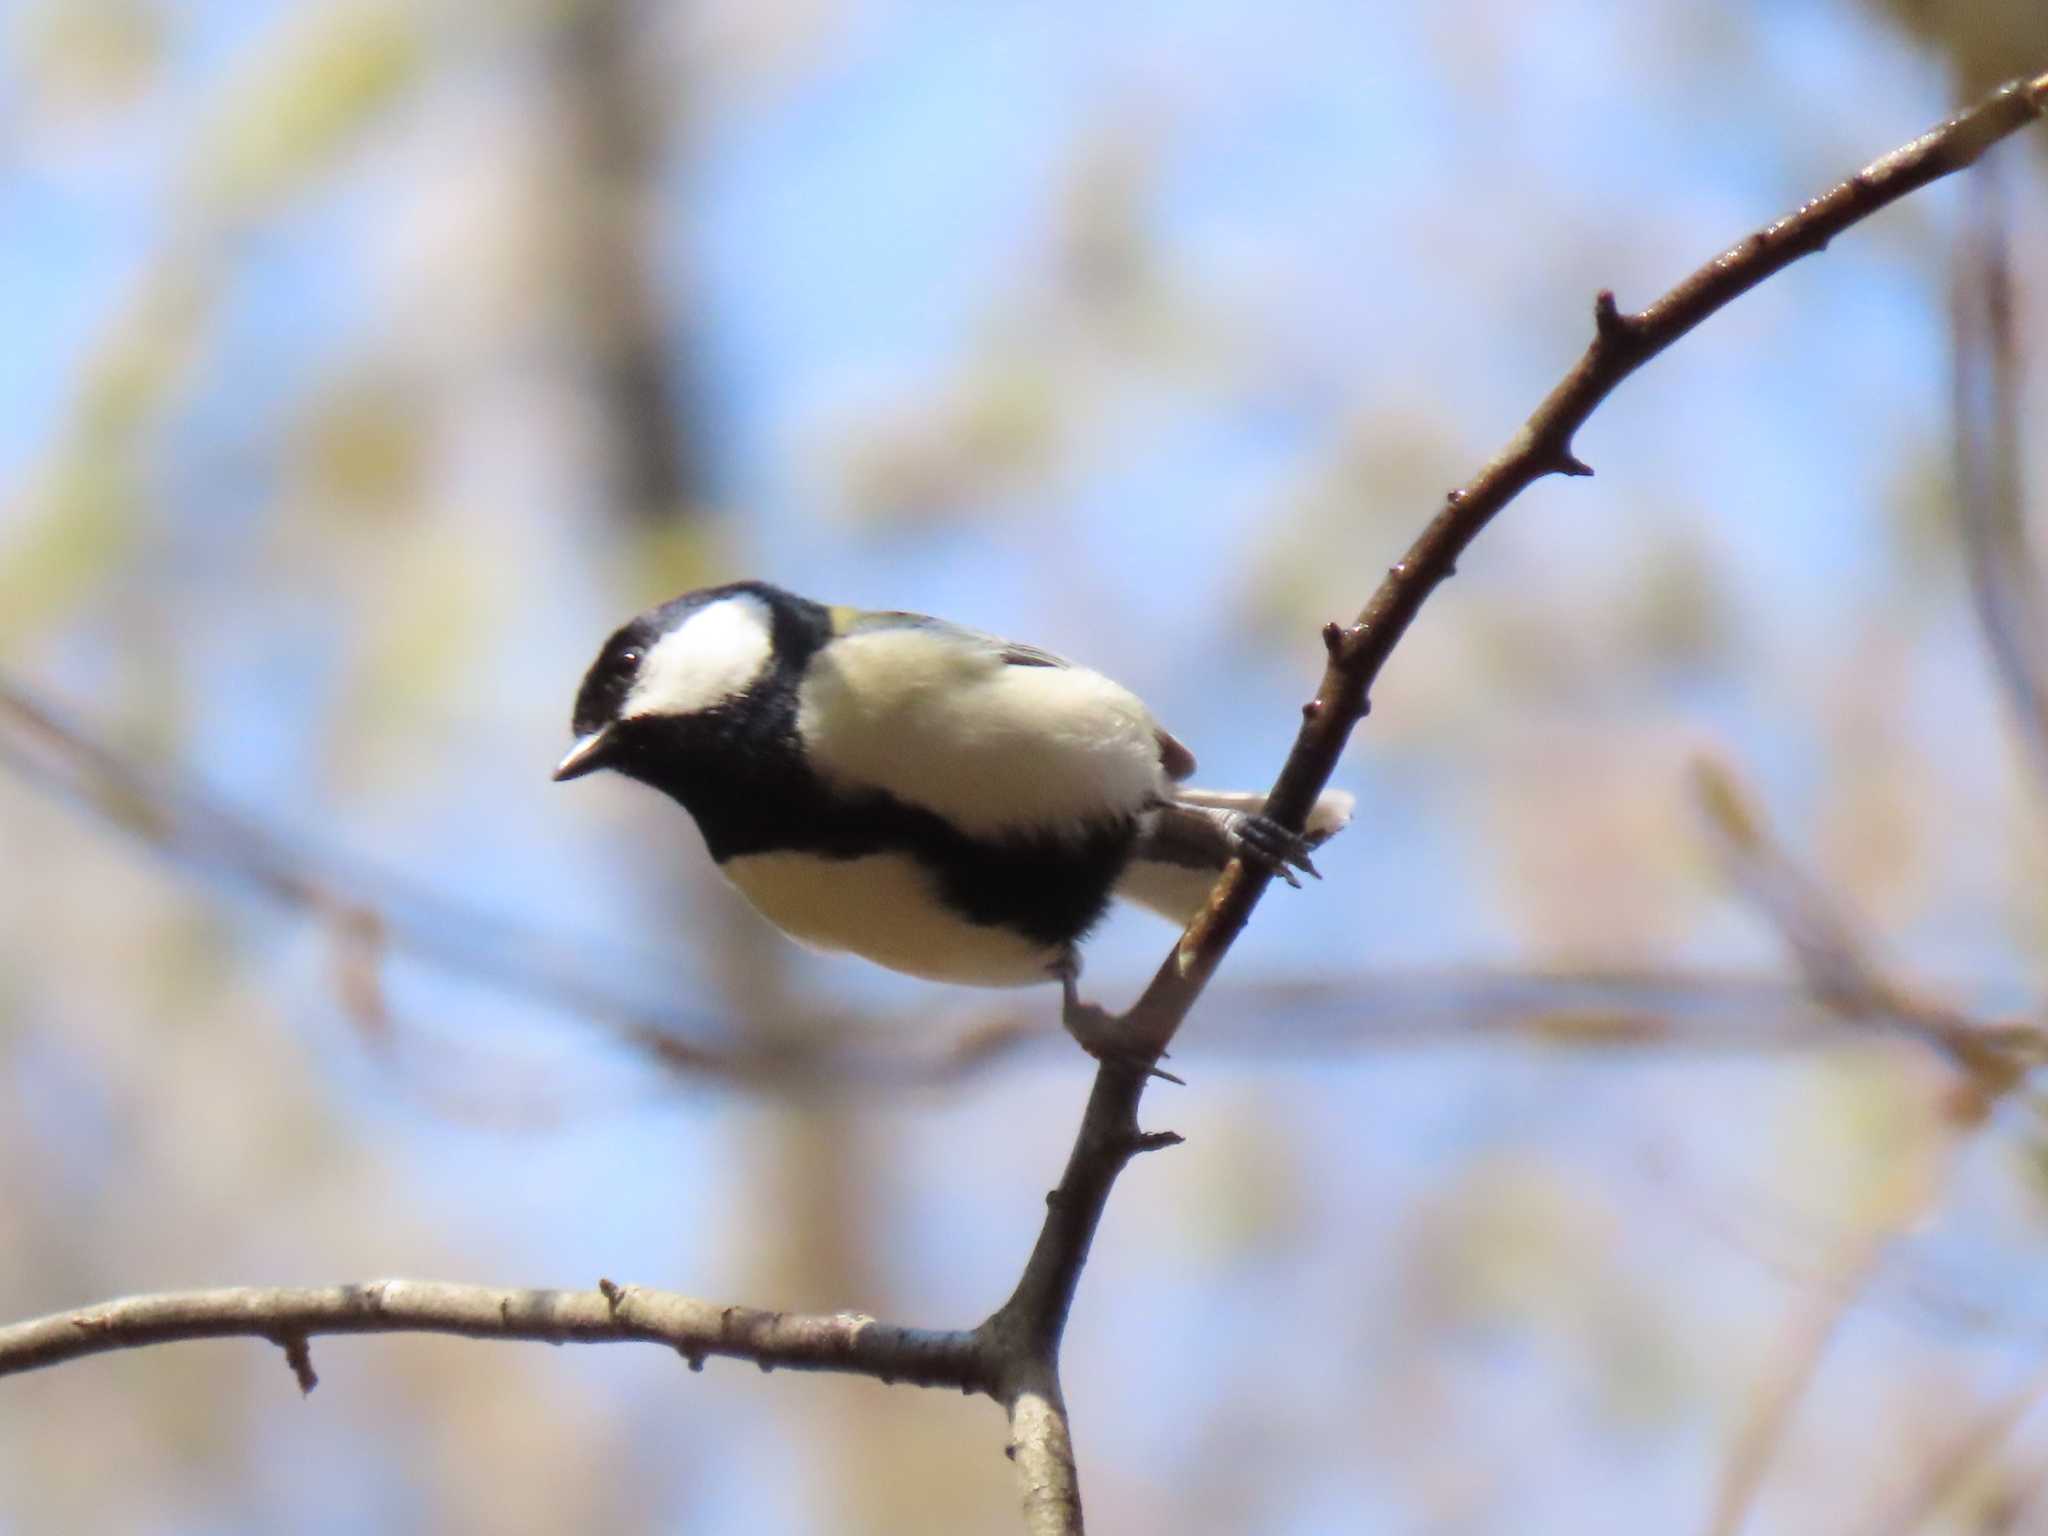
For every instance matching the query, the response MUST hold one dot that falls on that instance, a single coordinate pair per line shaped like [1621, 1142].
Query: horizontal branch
[846, 1342]
[367, 915]
[372, 916]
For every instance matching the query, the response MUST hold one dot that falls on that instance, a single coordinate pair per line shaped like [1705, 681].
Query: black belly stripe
[1052, 890]
[750, 791]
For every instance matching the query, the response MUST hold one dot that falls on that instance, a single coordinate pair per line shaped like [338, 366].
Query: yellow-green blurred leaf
[301, 106]
[675, 555]
[86, 504]
[364, 446]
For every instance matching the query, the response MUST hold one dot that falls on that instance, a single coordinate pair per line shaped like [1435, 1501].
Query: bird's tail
[1176, 863]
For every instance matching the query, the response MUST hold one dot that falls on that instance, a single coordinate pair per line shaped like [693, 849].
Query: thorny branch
[1014, 1354]
[1622, 343]
[611, 1314]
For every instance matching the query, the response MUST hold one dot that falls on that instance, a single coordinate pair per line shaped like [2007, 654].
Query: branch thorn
[1333, 637]
[299, 1356]
[1608, 320]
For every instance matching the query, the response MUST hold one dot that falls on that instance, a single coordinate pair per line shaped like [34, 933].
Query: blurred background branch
[2006, 580]
[368, 915]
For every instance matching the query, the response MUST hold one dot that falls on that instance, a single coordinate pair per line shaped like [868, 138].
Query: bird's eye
[630, 656]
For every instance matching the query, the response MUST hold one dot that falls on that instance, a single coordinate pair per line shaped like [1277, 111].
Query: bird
[940, 801]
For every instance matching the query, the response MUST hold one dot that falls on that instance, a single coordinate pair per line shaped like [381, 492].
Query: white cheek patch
[714, 655]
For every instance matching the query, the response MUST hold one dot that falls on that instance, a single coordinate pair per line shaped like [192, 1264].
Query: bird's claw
[1101, 1033]
[1263, 841]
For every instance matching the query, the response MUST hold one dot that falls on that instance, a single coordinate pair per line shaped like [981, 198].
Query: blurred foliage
[1608, 804]
[83, 513]
[85, 58]
[1032, 401]
[1985, 42]
[1356, 502]
[999, 431]
[363, 444]
[334, 71]
[1865, 1149]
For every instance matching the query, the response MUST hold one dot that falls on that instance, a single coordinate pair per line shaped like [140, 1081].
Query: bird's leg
[1260, 840]
[1092, 1025]
[1098, 1031]
[1210, 836]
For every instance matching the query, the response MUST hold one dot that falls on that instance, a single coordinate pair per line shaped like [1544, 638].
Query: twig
[1621, 344]
[1938, 1480]
[1795, 1355]
[611, 1314]
[1827, 942]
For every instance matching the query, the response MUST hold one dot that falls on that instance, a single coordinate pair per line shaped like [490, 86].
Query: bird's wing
[1174, 757]
[1010, 652]
[995, 738]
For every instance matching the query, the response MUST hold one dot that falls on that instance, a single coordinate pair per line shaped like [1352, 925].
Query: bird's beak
[587, 756]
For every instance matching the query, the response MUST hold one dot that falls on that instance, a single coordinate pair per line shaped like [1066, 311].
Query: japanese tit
[941, 801]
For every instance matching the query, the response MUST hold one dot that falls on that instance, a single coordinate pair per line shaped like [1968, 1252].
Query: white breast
[988, 746]
[884, 907]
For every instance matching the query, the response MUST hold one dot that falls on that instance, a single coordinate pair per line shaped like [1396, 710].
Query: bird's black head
[602, 698]
[699, 653]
